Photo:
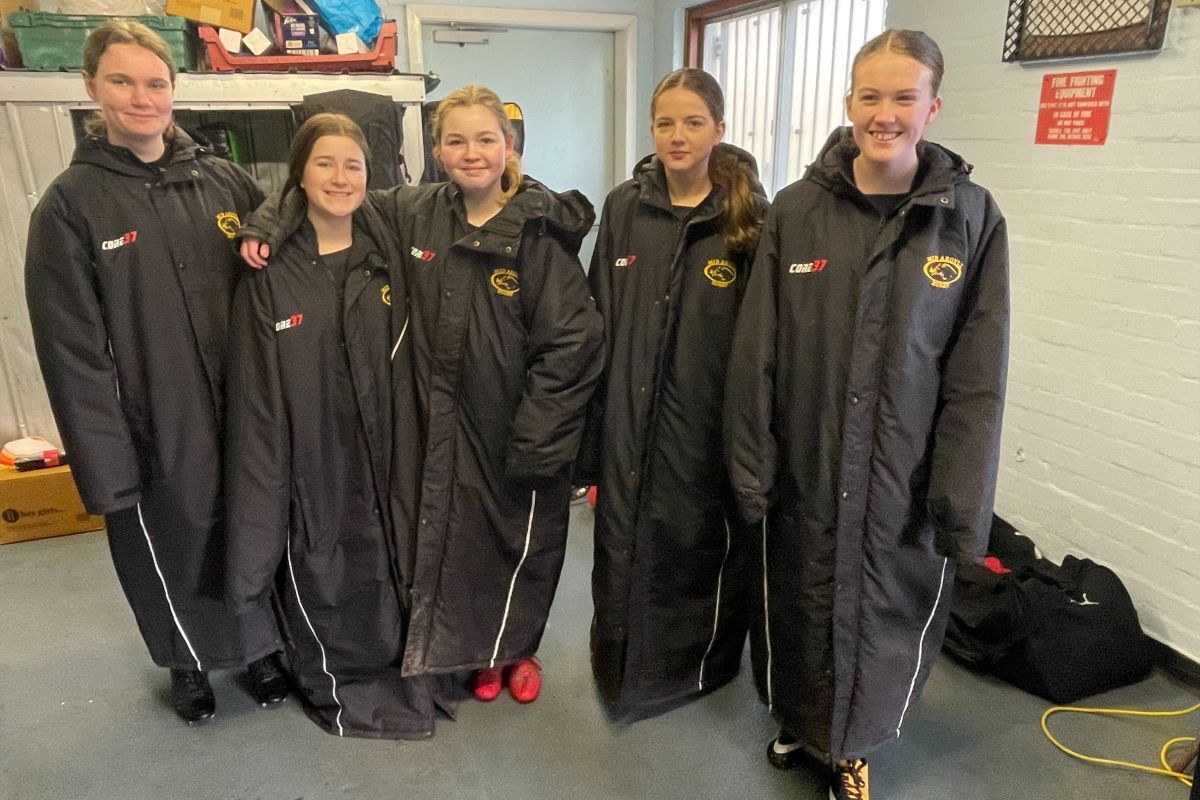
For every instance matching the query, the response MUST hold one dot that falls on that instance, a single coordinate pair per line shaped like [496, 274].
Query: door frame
[623, 27]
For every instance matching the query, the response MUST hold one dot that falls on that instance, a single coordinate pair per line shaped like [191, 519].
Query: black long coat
[867, 385]
[322, 425]
[507, 343]
[129, 274]
[674, 567]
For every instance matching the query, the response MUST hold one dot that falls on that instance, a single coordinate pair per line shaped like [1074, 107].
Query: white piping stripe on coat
[767, 620]
[396, 346]
[313, 631]
[921, 646]
[513, 583]
[166, 591]
[717, 607]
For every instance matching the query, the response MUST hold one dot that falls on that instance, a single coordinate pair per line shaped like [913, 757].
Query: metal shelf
[225, 90]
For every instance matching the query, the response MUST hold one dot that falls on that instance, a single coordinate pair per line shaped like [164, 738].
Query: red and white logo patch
[423, 255]
[627, 261]
[291, 322]
[120, 241]
[807, 267]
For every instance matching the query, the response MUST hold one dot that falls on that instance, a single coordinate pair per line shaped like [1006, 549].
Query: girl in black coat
[129, 274]
[322, 427]
[673, 567]
[868, 383]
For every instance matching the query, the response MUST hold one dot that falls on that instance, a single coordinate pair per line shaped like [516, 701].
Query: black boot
[192, 696]
[268, 684]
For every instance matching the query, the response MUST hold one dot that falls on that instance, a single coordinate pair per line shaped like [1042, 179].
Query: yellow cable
[1164, 770]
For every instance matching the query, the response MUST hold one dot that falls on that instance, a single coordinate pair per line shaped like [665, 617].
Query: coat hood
[99, 152]
[940, 167]
[568, 216]
[650, 177]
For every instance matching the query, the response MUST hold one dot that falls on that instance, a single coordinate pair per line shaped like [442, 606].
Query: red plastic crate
[381, 59]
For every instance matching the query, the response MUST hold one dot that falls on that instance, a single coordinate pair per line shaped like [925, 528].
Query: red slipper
[525, 680]
[486, 684]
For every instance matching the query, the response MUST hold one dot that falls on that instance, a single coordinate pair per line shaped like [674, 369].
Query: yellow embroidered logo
[506, 282]
[228, 223]
[943, 270]
[720, 272]
[385, 294]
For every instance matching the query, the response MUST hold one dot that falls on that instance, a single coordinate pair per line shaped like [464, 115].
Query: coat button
[944, 201]
[853, 399]
[508, 249]
[366, 273]
[845, 495]
[147, 184]
[448, 294]
[424, 520]
[195, 174]
[181, 265]
[475, 243]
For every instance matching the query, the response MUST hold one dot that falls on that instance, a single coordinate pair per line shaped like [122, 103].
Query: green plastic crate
[55, 41]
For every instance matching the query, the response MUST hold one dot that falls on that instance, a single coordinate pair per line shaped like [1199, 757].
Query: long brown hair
[917, 45]
[475, 95]
[316, 126]
[742, 215]
[120, 31]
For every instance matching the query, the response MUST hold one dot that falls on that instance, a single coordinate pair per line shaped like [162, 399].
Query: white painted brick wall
[1101, 447]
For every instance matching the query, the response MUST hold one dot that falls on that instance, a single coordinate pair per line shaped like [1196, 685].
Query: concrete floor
[84, 714]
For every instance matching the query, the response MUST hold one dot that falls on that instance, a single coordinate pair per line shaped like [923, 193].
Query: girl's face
[133, 88]
[891, 103]
[335, 177]
[473, 150]
[685, 132]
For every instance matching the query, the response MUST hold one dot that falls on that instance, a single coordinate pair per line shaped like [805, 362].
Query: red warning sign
[1075, 107]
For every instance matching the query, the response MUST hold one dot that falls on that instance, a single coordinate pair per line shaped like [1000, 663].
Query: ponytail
[510, 181]
[742, 212]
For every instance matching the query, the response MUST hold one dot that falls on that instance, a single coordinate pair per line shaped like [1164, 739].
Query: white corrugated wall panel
[36, 141]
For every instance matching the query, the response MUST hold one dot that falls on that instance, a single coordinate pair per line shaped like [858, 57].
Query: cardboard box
[237, 15]
[41, 503]
[296, 30]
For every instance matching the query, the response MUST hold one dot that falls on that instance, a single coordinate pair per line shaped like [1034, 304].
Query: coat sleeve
[591, 448]
[72, 342]
[257, 454]
[751, 450]
[272, 223]
[966, 436]
[564, 359]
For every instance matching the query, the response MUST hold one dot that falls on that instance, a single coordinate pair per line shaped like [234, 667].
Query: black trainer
[786, 752]
[268, 684]
[192, 696]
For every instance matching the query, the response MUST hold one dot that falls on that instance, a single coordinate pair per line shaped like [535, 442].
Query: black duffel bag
[1060, 632]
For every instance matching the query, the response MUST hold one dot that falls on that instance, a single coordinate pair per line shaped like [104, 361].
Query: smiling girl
[671, 581]
[320, 391]
[508, 346]
[868, 377]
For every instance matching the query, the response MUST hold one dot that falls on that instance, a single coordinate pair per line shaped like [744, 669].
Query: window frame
[696, 17]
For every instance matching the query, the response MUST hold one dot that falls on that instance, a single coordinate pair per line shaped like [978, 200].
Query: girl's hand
[255, 252]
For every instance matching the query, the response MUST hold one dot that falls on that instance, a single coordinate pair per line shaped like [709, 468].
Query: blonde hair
[120, 31]
[476, 95]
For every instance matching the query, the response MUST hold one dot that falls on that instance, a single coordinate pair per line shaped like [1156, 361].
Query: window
[785, 71]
